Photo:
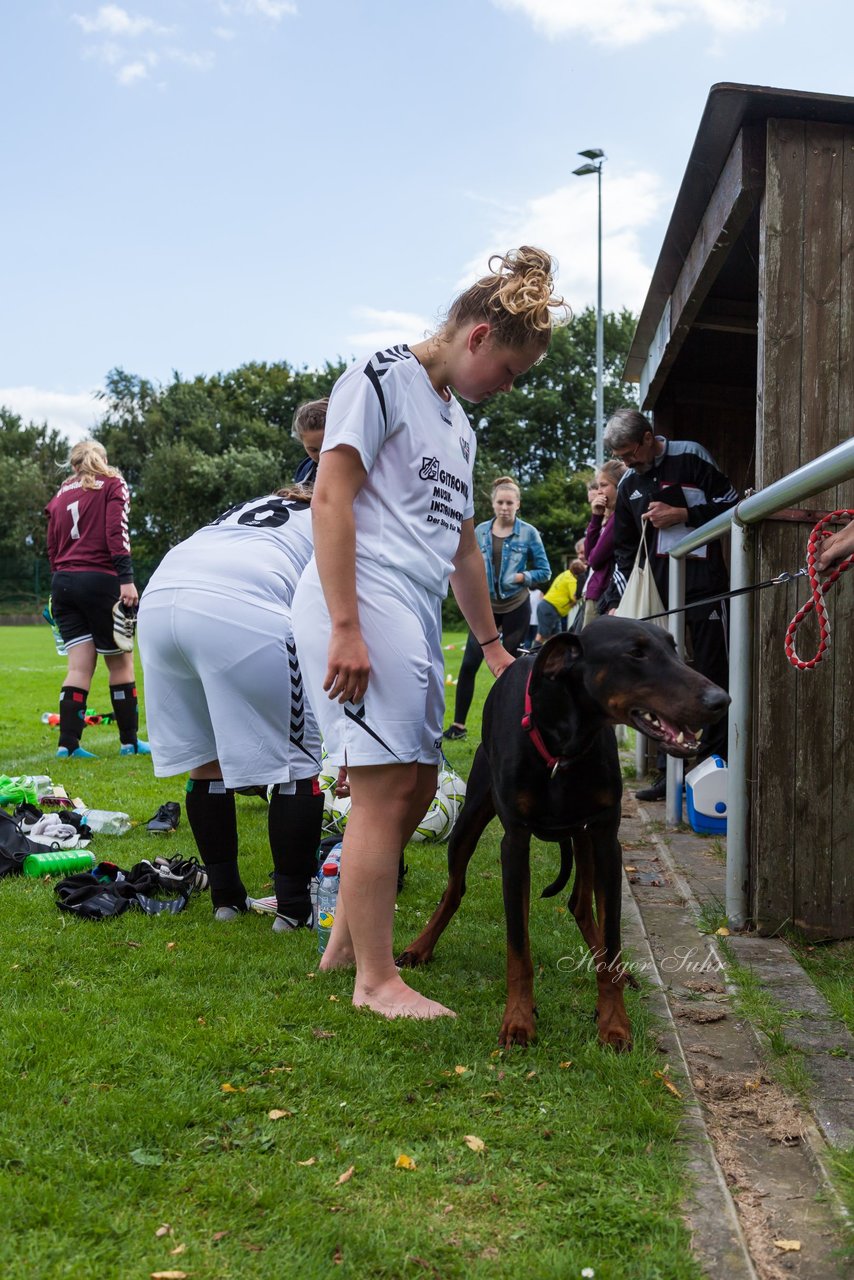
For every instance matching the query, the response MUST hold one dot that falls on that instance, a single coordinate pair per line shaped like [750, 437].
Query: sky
[190, 185]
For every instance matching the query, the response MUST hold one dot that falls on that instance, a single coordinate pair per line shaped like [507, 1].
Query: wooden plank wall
[802, 838]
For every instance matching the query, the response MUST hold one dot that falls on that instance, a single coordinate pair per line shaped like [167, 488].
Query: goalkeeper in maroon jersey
[93, 596]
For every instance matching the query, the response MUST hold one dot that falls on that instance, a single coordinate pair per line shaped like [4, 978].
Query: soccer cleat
[184, 872]
[138, 748]
[455, 733]
[287, 924]
[124, 625]
[77, 754]
[656, 791]
[264, 906]
[165, 820]
[224, 915]
[27, 815]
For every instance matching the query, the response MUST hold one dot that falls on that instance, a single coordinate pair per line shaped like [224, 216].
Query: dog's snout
[716, 701]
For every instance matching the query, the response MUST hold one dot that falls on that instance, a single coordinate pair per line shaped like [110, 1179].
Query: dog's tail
[564, 873]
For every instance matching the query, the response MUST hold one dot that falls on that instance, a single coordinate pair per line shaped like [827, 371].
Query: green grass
[119, 1037]
[785, 1062]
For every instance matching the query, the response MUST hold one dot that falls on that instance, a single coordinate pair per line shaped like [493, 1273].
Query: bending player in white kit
[393, 521]
[225, 697]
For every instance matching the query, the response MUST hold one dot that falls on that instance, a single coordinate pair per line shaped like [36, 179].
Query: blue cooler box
[705, 797]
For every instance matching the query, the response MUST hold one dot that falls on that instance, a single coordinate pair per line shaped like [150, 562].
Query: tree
[191, 448]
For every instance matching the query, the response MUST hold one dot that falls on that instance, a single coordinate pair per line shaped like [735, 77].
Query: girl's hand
[497, 658]
[342, 785]
[599, 505]
[129, 595]
[349, 667]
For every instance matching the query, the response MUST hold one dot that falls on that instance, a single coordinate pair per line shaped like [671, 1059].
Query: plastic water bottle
[104, 822]
[327, 896]
[60, 863]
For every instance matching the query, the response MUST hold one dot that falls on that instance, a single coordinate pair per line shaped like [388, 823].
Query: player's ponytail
[89, 460]
[516, 299]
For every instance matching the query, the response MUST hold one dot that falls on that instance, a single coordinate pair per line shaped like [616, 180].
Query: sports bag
[641, 598]
[14, 846]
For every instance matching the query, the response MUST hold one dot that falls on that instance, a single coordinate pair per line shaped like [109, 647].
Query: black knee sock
[293, 824]
[72, 709]
[212, 815]
[126, 709]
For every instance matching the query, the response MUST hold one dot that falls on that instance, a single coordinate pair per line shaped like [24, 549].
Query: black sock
[72, 709]
[212, 815]
[293, 824]
[126, 709]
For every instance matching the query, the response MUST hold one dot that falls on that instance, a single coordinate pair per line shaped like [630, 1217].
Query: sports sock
[72, 709]
[126, 708]
[212, 815]
[293, 825]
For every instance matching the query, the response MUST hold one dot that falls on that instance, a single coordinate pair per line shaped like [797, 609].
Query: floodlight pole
[595, 154]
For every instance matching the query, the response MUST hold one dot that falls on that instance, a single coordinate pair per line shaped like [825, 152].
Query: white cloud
[197, 61]
[132, 72]
[626, 22]
[118, 22]
[273, 9]
[224, 33]
[564, 222]
[385, 328]
[75, 414]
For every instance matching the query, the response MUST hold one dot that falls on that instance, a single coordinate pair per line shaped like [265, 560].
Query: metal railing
[830, 468]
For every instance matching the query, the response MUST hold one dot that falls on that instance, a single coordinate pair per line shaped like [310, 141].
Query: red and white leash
[818, 589]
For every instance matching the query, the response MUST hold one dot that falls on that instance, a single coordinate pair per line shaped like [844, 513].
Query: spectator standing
[556, 604]
[515, 560]
[88, 546]
[599, 538]
[672, 486]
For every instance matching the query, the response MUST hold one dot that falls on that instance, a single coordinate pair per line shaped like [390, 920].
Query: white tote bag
[640, 598]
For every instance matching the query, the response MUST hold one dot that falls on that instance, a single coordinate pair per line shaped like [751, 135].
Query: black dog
[548, 767]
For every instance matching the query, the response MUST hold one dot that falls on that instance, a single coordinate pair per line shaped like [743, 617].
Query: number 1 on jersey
[74, 511]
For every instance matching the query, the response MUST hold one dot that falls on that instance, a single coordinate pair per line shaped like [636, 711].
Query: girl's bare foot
[336, 958]
[394, 999]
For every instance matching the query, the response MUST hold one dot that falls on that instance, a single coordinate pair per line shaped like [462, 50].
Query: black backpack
[14, 846]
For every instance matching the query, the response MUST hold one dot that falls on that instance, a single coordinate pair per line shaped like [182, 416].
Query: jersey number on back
[269, 514]
[73, 510]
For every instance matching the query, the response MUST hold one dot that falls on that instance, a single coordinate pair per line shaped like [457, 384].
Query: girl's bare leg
[388, 803]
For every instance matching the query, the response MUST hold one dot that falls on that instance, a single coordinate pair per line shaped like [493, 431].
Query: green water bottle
[62, 862]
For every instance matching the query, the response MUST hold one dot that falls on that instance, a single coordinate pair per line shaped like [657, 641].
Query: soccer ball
[437, 821]
[328, 776]
[452, 787]
[338, 815]
[329, 815]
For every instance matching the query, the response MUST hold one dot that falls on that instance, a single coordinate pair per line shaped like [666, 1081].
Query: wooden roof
[729, 107]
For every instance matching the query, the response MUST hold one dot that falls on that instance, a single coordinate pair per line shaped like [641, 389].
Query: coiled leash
[818, 589]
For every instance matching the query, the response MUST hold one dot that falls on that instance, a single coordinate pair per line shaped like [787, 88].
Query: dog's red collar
[553, 763]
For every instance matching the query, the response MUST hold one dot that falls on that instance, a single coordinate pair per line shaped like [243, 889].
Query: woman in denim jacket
[515, 561]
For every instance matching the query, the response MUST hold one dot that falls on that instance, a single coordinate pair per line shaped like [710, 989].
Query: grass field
[144, 1060]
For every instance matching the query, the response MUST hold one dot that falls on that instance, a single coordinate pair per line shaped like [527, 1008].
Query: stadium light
[593, 155]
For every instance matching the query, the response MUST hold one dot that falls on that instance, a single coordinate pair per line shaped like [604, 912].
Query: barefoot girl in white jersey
[393, 521]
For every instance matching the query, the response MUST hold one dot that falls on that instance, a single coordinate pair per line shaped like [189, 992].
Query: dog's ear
[559, 654]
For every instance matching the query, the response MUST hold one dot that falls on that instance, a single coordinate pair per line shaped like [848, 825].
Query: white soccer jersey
[418, 451]
[256, 551]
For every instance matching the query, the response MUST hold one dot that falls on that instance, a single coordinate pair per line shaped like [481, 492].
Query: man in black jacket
[674, 486]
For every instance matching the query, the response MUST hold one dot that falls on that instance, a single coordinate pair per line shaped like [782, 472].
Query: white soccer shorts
[400, 720]
[222, 681]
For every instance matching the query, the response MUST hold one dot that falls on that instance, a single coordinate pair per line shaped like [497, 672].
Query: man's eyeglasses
[630, 457]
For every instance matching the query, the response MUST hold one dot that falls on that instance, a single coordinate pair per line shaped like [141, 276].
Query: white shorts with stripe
[400, 720]
[222, 682]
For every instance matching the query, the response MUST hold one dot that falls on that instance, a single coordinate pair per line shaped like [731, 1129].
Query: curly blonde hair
[89, 459]
[516, 299]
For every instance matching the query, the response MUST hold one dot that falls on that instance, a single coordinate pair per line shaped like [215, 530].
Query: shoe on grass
[138, 748]
[165, 820]
[224, 915]
[289, 924]
[657, 790]
[455, 733]
[77, 754]
[264, 906]
[184, 873]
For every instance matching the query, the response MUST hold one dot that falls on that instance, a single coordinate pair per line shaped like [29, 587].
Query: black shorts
[82, 605]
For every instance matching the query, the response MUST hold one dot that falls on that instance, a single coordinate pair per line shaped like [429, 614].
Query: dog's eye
[638, 651]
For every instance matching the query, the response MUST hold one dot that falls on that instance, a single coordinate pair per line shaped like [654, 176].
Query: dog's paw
[411, 958]
[518, 1028]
